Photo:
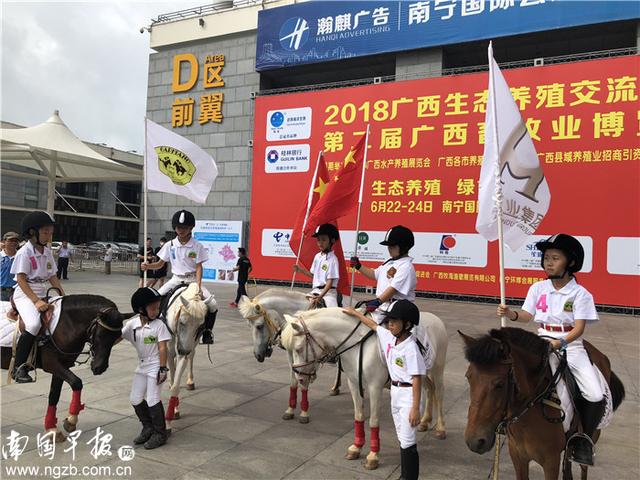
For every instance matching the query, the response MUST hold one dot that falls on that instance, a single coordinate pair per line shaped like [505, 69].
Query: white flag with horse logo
[176, 165]
[511, 174]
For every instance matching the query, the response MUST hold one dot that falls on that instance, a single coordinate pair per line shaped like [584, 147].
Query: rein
[544, 398]
[91, 333]
[327, 354]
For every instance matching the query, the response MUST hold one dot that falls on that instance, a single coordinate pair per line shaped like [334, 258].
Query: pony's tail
[617, 390]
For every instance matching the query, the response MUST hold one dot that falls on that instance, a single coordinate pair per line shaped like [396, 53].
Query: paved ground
[232, 428]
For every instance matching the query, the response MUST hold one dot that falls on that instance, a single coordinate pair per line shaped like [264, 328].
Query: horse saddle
[568, 394]
[45, 317]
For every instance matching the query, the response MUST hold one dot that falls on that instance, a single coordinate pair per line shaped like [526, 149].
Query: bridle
[273, 329]
[546, 397]
[91, 335]
[324, 354]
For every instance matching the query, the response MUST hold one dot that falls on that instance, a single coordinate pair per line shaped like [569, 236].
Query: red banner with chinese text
[423, 164]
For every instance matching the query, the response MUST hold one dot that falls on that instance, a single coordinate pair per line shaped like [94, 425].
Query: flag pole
[355, 245]
[306, 215]
[144, 199]
[498, 184]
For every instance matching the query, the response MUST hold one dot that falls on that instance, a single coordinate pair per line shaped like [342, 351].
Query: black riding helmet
[329, 230]
[400, 236]
[569, 245]
[403, 310]
[183, 218]
[32, 223]
[143, 297]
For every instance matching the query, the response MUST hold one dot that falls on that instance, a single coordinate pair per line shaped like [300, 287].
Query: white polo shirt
[38, 267]
[399, 274]
[146, 340]
[556, 307]
[403, 360]
[325, 266]
[183, 258]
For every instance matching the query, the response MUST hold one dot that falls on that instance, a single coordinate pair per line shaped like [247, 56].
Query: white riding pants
[175, 281]
[401, 403]
[581, 367]
[27, 309]
[145, 387]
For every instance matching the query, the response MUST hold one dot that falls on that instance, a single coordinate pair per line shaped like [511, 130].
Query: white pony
[185, 317]
[265, 315]
[314, 336]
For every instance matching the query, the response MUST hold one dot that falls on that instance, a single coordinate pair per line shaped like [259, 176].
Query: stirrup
[571, 444]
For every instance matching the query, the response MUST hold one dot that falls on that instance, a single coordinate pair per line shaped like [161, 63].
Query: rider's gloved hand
[373, 305]
[162, 375]
[354, 262]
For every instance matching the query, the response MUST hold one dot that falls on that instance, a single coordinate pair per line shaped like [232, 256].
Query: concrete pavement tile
[187, 450]
[245, 462]
[233, 427]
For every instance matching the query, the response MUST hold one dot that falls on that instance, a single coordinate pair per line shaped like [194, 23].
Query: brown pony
[508, 375]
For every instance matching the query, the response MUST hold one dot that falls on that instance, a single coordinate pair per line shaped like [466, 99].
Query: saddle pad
[8, 327]
[567, 403]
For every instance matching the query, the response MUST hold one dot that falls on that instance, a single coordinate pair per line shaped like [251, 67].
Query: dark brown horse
[508, 372]
[83, 319]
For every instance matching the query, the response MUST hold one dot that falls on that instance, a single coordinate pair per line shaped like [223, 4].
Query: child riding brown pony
[83, 319]
[510, 381]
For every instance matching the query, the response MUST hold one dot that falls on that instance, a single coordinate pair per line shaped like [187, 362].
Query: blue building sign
[321, 31]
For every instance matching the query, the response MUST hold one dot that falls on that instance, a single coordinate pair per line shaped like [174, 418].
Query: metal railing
[196, 12]
[617, 52]
[82, 259]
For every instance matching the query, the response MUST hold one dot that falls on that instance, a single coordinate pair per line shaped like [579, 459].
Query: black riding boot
[403, 464]
[591, 414]
[159, 435]
[142, 411]
[20, 370]
[412, 468]
[209, 322]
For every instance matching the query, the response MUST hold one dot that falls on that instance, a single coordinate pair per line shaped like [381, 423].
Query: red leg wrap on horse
[375, 439]
[171, 409]
[304, 402]
[50, 421]
[359, 435]
[75, 407]
[293, 397]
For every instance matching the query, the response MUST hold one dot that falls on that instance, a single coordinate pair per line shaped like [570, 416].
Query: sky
[86, 59]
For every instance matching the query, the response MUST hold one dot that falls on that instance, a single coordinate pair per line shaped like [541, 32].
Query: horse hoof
[60, 437]
[352, 455]
[441, 434]
[68, 426]
[303, 419]
[287, 416]
[423, 427]
[334, 391]
[191, 386]
[371, 465]
[176, 415]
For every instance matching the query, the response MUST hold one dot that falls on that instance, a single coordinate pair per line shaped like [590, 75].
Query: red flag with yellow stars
[309, 246]
[341, 191]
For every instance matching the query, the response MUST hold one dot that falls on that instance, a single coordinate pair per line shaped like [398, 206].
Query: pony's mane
[286, 336]
[488, 349]
[245, 307]
[197, 307]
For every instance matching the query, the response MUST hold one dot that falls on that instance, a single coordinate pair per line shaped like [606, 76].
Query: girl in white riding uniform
[33, 266]
[149, 335]
[325, 269]
[406, 367]
[562, 309]
[186, 255]
[396, 278]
